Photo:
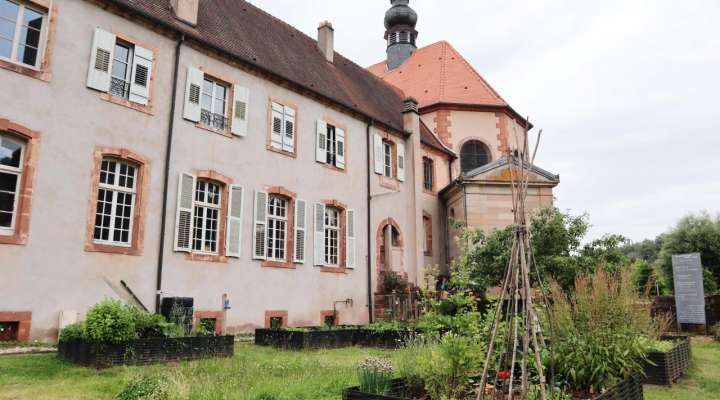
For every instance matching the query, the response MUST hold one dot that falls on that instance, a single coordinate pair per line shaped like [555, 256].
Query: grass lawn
[701, 382]
[261, 373]
[255, 373]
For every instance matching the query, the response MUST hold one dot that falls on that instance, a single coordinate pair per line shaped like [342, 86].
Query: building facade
[206, 149]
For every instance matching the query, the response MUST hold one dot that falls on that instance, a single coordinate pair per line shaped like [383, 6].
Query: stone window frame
[24, 320]
[218, 316]
[291, 197]
[138, 224]
[379, 242]
[433, 183]
[276, 314]
[229, 105]
[466, 140]
[47, 41]
[337, 125]
[225, 183]
[122, 101]
[27, 183]
[268, 140]
[341, 268]
[428, 234]
[330, 313]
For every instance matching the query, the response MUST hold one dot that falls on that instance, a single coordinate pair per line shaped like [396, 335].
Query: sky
[627, 92]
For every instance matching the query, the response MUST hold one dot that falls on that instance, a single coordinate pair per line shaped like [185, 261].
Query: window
[121, 70]
[428, 173]
[427, 229]
[11, 171]
[282, 135]
[206, 216]
[213, 104]
[332, 236]
[387, 159]
[473, 154]
[330, 145]
[115, 206]
[21, 30]
[276, 322]
[277, 228]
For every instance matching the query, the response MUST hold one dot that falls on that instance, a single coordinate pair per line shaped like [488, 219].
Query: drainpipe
[369, 223]
[168, 151]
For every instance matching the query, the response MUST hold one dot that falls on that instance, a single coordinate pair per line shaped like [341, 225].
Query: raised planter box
[146, 351]
[666, 368]
[329, 339]
[630, 389]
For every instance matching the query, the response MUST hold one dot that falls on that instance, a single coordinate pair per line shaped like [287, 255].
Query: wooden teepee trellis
[515, 304]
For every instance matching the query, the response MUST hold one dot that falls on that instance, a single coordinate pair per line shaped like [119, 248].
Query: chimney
[326, 40]
[186, 10]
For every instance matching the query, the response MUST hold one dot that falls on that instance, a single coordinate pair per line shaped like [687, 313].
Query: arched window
[473, 154]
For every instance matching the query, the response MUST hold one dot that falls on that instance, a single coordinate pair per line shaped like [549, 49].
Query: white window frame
[215, 85]
[387, 159]
[285, 114]
[5, 169]
[115, 188]
[206, 207]
[273, 220]
[22, 5]
[331, 145]
[332, 231]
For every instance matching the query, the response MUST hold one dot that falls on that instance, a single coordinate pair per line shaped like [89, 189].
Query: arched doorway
[389, 247]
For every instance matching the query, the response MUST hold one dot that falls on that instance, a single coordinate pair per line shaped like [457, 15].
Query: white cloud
[626, 90]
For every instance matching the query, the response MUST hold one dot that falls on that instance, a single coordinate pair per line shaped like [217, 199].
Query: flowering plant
[375, 375]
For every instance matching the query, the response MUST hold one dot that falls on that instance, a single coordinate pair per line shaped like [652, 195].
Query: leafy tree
[694, 234]
[647, 250]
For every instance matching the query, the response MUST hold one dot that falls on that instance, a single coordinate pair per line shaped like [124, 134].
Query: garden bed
[145, 351]
[318, 338]
[398, 388]
[629, 389]
[664, 368]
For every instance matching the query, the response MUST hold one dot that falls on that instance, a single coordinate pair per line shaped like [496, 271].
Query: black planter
[398, 388]
[629, 389]
[146, 351]
[666, 368]
[316, 338]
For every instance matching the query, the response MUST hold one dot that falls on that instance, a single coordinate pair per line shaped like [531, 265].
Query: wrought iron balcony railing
[211, 120]
[119, 87]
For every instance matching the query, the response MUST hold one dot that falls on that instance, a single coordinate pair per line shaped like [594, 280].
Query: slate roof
[439, 74]
[251, 35]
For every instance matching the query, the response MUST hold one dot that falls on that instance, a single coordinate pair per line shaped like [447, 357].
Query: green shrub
[375, 375]
[657, 346]
[408, 358]
[110, 321]
[74, 331]
[144, 388]
[447, 368]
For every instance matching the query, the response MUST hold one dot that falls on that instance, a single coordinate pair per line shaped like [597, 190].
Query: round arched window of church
[474, 154]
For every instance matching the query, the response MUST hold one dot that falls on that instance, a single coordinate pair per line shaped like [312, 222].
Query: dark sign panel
[689, 293]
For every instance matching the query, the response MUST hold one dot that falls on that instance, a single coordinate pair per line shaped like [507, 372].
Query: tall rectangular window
[331, 145]
[115, 203]
[282, 135]
[213, 104]
[121, 70]
[11, 170]
[207, 217]
[428, 173]
[277, 228]
[332, 236]
[21, 30]
[387, 157]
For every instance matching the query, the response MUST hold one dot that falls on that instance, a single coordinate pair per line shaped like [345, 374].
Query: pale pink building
[206, 149]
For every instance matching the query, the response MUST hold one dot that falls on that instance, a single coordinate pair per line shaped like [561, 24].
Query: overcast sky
[626, 92]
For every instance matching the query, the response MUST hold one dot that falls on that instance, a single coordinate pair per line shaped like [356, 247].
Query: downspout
[168, 151]
[369, 223]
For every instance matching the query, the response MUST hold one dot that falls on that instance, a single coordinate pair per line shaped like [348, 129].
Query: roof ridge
[476, 73]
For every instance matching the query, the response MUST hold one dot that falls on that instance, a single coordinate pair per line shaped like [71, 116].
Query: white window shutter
[101, 58]
[184, 217]
[321, 142]
[300, 224]
[276, 137]
[241, 102]
[234, 223]
[379, 158]
[319, 234]
[340, 151]
[193, 91]
[401, 162]
[289, 129]
[350, 239]
[260, 226]
[141, 76]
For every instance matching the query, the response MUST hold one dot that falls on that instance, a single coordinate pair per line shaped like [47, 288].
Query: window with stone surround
[277, 229]
[428, 174]
[332, 236]
[213, 104]
[23, 29]
[473, 154]
[12, 151]
[117, 189]
[207, 207]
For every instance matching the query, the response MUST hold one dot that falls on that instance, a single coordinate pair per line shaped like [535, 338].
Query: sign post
[689, 292]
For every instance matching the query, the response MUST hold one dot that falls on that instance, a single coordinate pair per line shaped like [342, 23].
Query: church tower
[400, 33]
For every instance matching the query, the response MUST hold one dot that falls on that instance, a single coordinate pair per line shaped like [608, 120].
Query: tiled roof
[245, 32]
[427, 137]
[439, 74]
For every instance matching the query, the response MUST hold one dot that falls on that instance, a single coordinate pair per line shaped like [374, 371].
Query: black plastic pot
[629, 389]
